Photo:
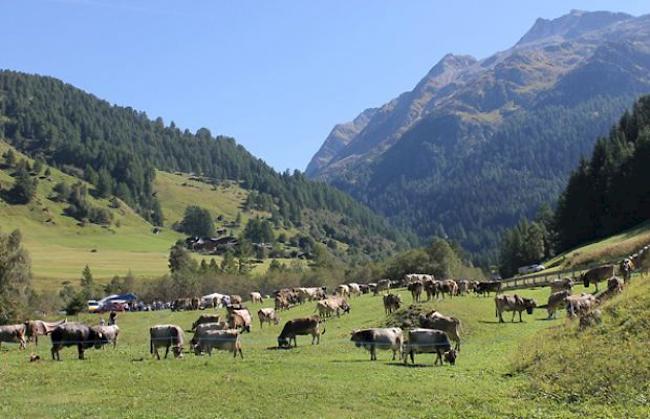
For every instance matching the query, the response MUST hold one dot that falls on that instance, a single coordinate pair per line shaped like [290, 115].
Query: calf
[373, 339]
[267, 315]
[513, 303]
[166, 335]
[300, 326]
[556, 300]
[14, 333]
[75, 334]
[226, 340]
[450, 325]
[256, 297]
[205, 318]
[428, 341]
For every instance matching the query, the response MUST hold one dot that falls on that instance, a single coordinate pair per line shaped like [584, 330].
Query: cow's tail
[323, 332]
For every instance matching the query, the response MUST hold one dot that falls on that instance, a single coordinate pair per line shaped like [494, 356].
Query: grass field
[333, 379]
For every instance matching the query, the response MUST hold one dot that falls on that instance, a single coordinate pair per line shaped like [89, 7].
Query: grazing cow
[14, 333]
[450, 325]
[392, 302]
[166, 335]
[382, 285]
[281, 303]
[580, 304]
[226, 340]
[513, 303]
[355, 289]
[615, 284]
[428, 341]
[625, 268]
[449, 287]
[342, 290]
[463, 287]
[365, 288]
[207, 326]
[256, 297]
[205, 318]
[110, 333]
[239, 319]
[267, 315]
[71, 334]
[300, 326]
[235, 299]
[561, 285]
[373, 339]
[596, 275]
[416, 288]
[484, 288]
[331, 305]
[310, 293]
[36, 328]
[555, 301]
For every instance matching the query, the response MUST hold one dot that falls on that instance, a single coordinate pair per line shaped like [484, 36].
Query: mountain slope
[118, 150]
[478, 144]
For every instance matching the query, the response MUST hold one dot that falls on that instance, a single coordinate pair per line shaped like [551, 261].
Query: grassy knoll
[331, 380]
[605, 367]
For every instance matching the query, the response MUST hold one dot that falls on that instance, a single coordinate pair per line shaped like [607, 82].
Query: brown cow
[556, 300]
[615, 284]
[513, 303]
[300, 326]
[561, 285]
[36, 328]
[596, 275]
[580, 304]
[235, 299]
[205, 318]
[256, 297]
[14, 333]
[449, 287]
[239, 319]
[392, 303]
[450, 325]
[267, 315]
[382, 285]
[416, 288]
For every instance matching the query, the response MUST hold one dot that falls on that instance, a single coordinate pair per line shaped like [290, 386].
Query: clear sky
[276, 75]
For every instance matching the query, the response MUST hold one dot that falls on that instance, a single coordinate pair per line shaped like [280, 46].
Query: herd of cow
[434, 334]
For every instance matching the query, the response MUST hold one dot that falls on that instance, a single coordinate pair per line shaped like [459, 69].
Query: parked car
[530, 269]
[93, 306]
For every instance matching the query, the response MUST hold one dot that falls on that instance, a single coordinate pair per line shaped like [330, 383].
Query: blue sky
[276, 75]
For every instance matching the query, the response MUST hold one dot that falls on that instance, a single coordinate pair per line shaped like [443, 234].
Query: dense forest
[610, 191]
[117, 149]
[606, 194]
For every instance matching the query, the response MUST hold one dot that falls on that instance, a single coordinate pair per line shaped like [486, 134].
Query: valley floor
[334, 379]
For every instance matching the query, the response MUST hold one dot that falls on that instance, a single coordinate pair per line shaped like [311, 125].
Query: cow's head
[178, 351]
[530, 304]
[283, 342]
[584, 279]
[450, 356]
[98, 339]
[345, 307]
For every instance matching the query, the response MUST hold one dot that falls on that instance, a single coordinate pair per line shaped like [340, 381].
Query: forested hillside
[609, 192]
[479, 144]
[117, 149]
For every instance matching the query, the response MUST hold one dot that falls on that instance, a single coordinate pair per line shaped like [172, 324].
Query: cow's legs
[80, 351]
[156, 354]
[373, 353]
[166, 351]
[500, 317]
[513, 316]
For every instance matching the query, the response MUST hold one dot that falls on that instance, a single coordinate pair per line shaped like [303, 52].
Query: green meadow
[333, 379]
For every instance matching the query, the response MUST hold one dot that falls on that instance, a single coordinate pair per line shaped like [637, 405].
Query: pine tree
[24, 188]
[87, 283]
[15, 278]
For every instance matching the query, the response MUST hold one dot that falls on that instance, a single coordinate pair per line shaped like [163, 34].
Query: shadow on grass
[416, 365]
